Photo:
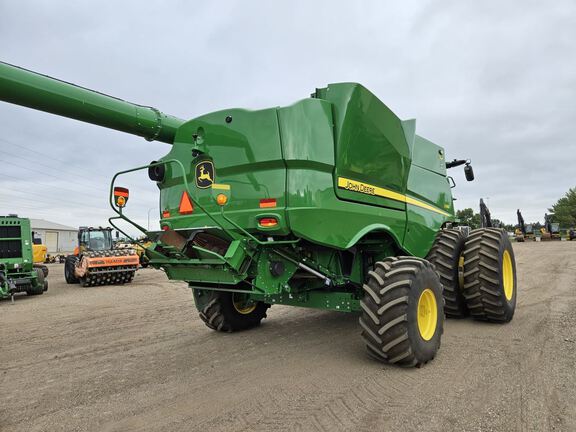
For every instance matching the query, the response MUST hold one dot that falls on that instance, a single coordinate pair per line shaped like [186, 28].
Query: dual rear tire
[478, 273]
[489, 276]
[406, 297]
[446, 256]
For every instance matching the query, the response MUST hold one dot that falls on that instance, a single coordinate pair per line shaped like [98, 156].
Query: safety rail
[231, 234]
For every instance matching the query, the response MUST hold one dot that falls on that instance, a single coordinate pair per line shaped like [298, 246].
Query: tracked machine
[331, 203]
[551, 229]
[524, 231]
[96, 262]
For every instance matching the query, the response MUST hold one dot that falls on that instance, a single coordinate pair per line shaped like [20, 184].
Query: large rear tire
[490, 275]
[446, 255]
[69, 267]
[229, 312]
[402, 311]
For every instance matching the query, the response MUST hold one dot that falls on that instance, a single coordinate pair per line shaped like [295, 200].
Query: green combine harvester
[331, 203]
[17, 271]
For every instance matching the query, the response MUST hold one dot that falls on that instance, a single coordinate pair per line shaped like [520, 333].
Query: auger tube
[33, 90]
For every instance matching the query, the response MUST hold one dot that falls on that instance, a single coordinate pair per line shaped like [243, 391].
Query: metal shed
[58, 238]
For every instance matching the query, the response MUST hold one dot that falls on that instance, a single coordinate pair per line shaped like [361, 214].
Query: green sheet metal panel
[370, 144]
[315, 211]
[423, 222]
[428, 155]
[428, 184]
[246, 154]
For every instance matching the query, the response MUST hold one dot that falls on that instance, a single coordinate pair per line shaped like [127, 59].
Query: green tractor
[331, 203]
[17, 271]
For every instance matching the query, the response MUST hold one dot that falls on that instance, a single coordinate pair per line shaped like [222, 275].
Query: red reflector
[165, 214]
[186, 206]
[268, 222]
[268, 202]
[165, 227]
[120, 191]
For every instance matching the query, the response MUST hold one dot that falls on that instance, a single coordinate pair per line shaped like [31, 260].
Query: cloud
[494, 84]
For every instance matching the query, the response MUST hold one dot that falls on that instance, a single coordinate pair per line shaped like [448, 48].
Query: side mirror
[120, 196]
[469, 172]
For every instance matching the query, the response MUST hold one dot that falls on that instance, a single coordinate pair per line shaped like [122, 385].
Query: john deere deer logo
[204, 174]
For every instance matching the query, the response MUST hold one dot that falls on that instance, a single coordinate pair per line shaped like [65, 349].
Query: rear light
[120, 196]
[186, 206]
[221, 199]
[268, 203]
[165, 214]
[268, 222]
[165, 227]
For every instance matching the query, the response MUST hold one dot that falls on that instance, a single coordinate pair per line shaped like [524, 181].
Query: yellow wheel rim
[461, 272]
[427, 314]
[507, 275]
[243, 306]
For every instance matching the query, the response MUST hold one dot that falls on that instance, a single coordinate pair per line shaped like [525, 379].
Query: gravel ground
[138, 358]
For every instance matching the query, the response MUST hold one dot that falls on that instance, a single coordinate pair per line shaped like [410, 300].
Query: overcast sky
[496, 84]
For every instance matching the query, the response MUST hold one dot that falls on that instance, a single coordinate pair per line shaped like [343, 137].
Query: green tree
[564, 211]
[499, 224]
[468, 217]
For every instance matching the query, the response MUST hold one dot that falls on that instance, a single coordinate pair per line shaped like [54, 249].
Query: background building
[57, 238]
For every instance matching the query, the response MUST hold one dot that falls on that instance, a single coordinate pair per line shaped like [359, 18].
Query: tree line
[563, 212]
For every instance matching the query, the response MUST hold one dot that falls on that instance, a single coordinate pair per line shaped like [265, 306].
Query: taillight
[268, 203]
[268, 222]
[165, 214]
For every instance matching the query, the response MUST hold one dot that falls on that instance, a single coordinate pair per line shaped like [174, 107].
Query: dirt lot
[138, 358]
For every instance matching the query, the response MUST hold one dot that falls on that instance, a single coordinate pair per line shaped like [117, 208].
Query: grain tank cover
[371, 148]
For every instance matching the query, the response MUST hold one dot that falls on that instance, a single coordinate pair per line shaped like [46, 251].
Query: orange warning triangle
[186, 206]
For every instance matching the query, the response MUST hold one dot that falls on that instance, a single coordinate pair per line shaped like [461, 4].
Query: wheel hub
[243, 305]
[427, 314]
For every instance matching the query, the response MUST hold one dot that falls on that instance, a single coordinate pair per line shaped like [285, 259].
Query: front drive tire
[490, 275]
[446, 255]
[402, 311]
[227, 311]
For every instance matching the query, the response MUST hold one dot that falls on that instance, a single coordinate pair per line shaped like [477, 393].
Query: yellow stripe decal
[368, 189]
[220, 186]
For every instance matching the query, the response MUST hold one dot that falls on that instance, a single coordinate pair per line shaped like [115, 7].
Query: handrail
[232, 234]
